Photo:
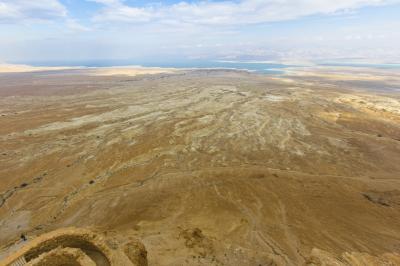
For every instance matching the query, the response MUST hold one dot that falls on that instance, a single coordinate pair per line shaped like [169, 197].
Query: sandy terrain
[205, 167]
[10, 68]
[127, 71]
[346, 73]
[99, 71]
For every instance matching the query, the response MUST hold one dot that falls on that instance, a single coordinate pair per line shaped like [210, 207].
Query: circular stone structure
[73, 246]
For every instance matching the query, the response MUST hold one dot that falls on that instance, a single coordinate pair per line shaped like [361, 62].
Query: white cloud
[228, 12]
[197, 29]
[115, 10]
[74, 25]
[12, 11]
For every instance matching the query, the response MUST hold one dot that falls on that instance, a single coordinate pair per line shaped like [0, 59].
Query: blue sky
[281, 30]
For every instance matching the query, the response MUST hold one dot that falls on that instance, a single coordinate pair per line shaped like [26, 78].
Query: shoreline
[132, 70]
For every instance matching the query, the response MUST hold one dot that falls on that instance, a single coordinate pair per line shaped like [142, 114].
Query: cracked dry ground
[204, 167]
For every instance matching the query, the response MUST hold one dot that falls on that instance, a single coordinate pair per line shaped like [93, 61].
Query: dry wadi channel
[205, 167]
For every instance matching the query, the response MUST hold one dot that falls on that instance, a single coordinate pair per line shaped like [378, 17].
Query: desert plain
[206, 166]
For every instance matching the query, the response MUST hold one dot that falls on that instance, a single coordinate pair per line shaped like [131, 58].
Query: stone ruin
[72, 246]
